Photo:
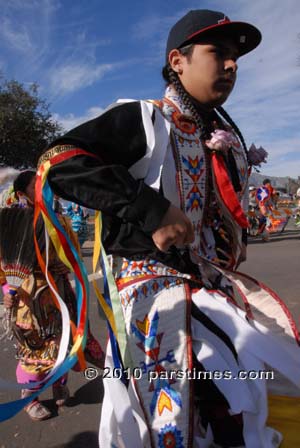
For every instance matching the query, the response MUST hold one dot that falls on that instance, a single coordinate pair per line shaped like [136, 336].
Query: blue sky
[86, 54]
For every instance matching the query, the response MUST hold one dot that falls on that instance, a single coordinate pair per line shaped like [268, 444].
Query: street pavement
[275, 263]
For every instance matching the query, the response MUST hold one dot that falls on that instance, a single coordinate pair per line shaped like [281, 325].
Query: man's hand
[8, 300]
[175, 230]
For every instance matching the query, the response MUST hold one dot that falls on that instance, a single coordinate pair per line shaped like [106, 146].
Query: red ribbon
[226, 191]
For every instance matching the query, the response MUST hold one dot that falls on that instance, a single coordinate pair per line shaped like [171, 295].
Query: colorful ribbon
[110, 301]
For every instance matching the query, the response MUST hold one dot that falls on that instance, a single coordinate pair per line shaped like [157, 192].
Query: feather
[17, 251]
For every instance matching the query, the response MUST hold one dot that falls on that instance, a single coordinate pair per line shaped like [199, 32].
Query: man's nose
[230, 65]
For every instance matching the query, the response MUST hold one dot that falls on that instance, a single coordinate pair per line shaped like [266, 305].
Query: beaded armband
[59, 149]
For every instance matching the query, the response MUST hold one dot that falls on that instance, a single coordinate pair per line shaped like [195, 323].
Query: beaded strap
[59, 149]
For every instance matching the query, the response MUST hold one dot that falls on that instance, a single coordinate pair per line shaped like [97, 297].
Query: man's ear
[176, 61]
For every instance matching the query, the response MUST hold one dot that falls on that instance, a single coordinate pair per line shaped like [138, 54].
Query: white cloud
[17, 39]
[70, 121]
[283, 168]
[284, 158]
[25, 35]
[154, 29]
[29, 5]
[150, 26]
[73, 76]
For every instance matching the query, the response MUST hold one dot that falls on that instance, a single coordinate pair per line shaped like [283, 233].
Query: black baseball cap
[203, 22]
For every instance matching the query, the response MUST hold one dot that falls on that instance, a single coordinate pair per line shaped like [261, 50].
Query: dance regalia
[271, 219]
[37, 322]
[79, 224]
[179, 315]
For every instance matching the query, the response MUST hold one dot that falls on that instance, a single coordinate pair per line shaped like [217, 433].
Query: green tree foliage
[26, 126]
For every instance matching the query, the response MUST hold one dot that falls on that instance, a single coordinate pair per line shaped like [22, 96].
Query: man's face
[209, 74]
[30, 190]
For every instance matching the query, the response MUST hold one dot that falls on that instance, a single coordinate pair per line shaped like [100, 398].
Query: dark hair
[266, 181]
[171, 77]
[22, 181]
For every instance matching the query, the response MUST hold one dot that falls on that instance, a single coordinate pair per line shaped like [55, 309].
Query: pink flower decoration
[256, 156]
[221, 140]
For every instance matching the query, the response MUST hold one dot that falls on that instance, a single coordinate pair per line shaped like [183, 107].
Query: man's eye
[218, 51]
[223, 53]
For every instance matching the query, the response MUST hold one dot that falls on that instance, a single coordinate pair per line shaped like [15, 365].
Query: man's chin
[220, 98]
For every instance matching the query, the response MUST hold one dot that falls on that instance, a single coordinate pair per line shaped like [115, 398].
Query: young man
[169, 177]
